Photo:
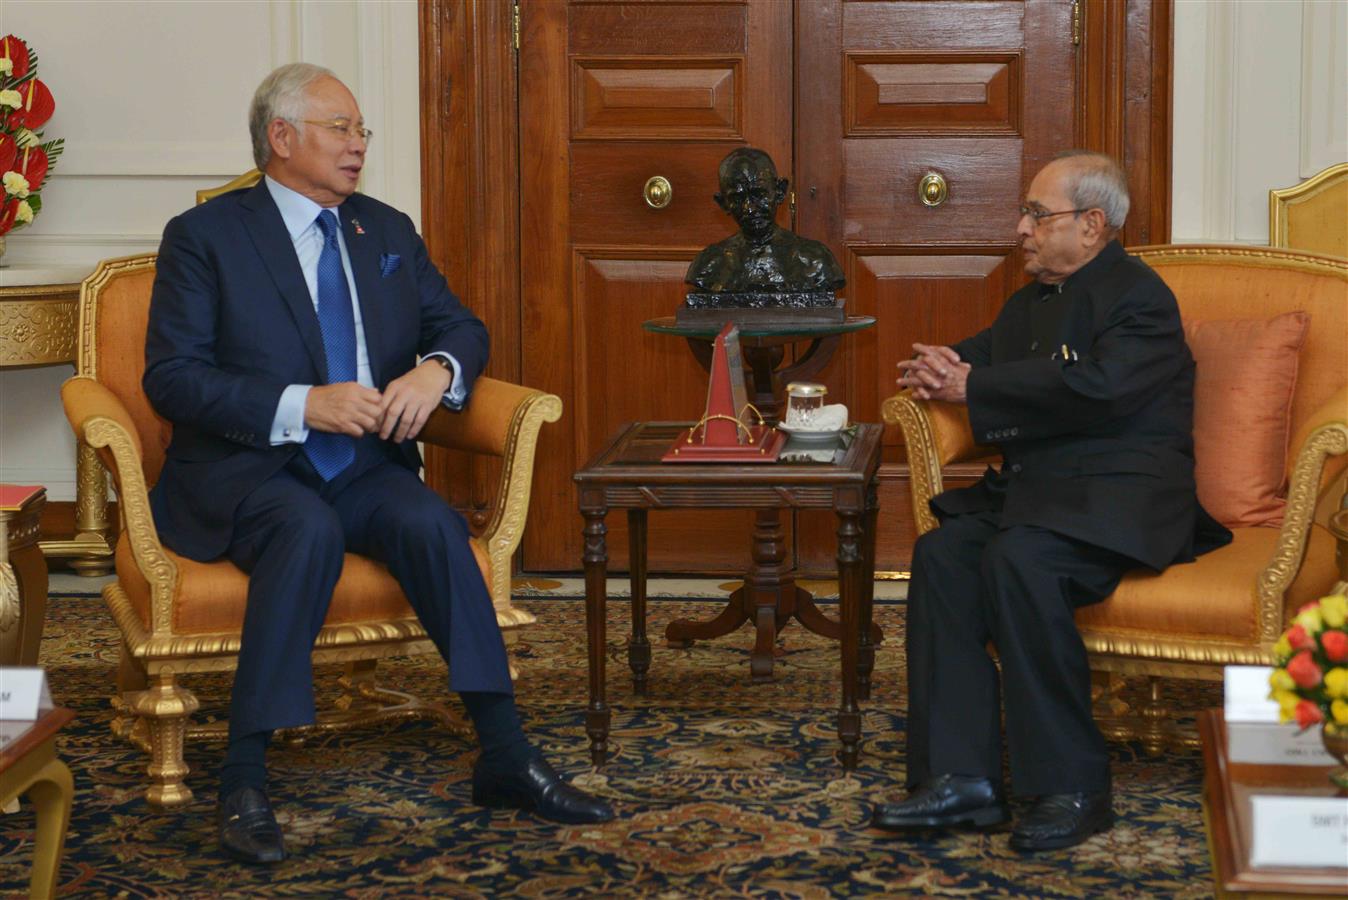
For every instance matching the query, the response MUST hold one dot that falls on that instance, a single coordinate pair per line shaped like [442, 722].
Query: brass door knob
[932, 190]
[658, 192]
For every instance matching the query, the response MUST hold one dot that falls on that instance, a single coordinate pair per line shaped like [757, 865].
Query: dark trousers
[1016, 588]
[290, 535]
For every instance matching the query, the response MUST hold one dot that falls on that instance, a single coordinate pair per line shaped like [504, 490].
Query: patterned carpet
[724, 790]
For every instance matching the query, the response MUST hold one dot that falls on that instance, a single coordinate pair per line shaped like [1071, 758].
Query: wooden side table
[21, 626]
[627, 474]
[28, 765]
[39, 320]
[1227, 791]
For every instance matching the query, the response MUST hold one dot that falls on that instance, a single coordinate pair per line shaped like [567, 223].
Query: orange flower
[1303, 670]
[1335, 644]
[1308, 714]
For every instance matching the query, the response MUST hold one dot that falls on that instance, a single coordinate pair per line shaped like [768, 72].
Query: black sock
[498, 728]
[245, 763]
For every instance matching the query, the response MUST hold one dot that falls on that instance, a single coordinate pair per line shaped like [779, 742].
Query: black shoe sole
[525, 803]
[979, 819]
[1063, 842]
[250, 859]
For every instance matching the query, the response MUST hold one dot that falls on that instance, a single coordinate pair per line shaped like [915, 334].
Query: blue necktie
[331, 453]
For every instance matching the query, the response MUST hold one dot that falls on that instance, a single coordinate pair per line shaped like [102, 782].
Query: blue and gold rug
[724, 789]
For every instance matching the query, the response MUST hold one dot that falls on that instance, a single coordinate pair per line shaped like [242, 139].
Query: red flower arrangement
[26, 104]
[1310, 681]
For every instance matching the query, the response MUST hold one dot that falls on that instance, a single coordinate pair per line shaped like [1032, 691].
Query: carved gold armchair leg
[1157, 719]
[165, 708]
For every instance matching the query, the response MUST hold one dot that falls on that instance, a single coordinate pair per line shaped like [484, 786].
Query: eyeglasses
[1040, 215]
[341, 126]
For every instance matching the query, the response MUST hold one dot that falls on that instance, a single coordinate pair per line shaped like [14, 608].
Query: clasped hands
[399, 412]
[935, 373]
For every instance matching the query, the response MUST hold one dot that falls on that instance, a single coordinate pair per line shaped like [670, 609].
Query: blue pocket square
[388, 264]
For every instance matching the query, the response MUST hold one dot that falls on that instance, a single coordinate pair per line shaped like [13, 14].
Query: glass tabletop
[667, 325]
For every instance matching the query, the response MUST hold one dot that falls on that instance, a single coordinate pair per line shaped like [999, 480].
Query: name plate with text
[23, 693]
[1300, 831]
[1276, 745]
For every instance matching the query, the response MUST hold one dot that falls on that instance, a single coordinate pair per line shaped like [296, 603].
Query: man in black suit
[299, 338]
[1085, 384]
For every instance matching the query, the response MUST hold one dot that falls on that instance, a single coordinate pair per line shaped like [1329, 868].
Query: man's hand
[935, 373]
[344, 408]
[410, 400]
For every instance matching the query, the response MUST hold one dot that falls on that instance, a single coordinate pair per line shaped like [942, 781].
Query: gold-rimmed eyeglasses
[344, 127]
[1039, 214]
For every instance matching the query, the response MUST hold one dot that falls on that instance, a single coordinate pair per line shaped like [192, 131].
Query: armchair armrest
[936, 434]
[501, 420]
[1322, 451]
[102, 421]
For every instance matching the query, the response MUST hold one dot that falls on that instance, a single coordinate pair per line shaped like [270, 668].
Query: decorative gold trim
[924, 466]
[1281, 199]
[1242, 255]
[37, 324]
[86, 362]
[246, 180]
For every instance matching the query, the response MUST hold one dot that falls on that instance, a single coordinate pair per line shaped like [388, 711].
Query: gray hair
[281, 95]
[1097, 181]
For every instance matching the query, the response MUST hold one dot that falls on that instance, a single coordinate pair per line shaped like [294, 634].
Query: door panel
[980, 94]
[611, 94]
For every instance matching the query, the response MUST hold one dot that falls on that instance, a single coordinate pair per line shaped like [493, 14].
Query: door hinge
[1076, 23]
[515, 24]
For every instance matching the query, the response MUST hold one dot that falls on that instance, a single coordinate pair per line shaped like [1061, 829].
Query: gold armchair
[1230, 605]
[178, 617]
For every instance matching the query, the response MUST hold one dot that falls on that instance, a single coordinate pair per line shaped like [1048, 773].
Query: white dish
[811, 436]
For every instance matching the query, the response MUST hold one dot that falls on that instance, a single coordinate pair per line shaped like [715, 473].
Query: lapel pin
[355, 224]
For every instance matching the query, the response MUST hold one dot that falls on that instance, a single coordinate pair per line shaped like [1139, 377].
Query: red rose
[1303, 670]
[1308, 714]
[1296, 636]
[1335, 644]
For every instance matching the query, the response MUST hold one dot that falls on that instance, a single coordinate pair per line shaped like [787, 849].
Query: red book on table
[17, 496]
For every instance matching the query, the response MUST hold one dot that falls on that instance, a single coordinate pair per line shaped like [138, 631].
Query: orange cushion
[1246, 371]
[1213, 597]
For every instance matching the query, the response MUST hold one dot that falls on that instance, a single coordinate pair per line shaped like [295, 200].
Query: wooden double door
[857, 101]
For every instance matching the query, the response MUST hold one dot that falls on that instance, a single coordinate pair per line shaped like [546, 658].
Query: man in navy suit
[1085, 383]
[299, 338]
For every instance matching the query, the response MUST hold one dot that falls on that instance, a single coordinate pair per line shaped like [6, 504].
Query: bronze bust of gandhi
[763, 266]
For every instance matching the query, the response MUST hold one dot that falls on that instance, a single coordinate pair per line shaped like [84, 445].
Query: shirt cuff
[288, 425]
[457, 393]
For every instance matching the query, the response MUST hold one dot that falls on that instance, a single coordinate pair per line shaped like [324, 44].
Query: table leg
[30, 571]
[51, 793]
[89, 551]
[849, 590]
[639, 649]
[597, 715]
[866, 646]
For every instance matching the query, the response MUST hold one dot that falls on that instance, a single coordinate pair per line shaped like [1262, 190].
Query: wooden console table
[21, 628]
[29, 766]
[39, 321]
[1227, 791]
[627, 474]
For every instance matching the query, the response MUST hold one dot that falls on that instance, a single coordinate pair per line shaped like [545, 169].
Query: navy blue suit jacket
[232, 324]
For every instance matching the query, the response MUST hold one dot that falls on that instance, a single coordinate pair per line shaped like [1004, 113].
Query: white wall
[1261, 102]
[152, 100]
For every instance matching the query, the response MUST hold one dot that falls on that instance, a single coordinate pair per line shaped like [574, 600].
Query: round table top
[802, 330]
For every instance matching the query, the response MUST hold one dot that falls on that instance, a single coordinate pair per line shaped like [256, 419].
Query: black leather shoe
[537, 788]
[1062, 820]
[945, 801]
[247, 829]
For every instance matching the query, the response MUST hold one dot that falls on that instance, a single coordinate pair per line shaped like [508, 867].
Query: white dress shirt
[299, 214]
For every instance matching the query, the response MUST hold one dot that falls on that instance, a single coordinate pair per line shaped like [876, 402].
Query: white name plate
[1300, 831]
[1278, 745]
[23, 693]
[1245, 692]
